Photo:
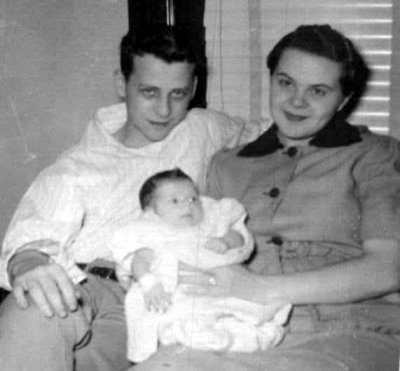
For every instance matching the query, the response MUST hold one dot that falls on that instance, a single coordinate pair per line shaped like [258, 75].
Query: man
[66, 311]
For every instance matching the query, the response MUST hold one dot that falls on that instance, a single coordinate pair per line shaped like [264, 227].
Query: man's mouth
[162, 124]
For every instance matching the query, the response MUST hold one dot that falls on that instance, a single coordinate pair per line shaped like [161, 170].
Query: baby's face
[178, 203]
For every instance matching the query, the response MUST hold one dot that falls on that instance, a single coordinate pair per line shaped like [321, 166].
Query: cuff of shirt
[24, 261]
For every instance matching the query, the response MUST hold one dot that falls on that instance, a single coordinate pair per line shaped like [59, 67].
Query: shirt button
[292, 151]
[274, 192]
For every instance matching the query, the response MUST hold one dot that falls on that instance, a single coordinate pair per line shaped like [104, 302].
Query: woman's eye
[319, 92]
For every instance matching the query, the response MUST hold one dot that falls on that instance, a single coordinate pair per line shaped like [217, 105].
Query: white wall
[56, 67]
[395, 73]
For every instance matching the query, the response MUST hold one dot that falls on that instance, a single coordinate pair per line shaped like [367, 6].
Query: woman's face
[305, 93]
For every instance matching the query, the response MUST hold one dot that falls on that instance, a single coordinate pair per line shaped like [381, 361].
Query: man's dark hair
[168, 43]
[324, 41]
[146, 193]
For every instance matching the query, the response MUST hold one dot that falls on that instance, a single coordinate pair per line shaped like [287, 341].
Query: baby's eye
[175, 201]
[193, 199]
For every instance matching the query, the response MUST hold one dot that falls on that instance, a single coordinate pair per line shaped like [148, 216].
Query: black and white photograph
[200, 185]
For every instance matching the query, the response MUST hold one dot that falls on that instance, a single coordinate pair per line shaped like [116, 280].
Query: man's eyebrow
[282, 73]
[184, 88]
[148, 86]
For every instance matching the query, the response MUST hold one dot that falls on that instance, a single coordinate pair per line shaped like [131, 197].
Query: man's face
[178, 203]
[157, 97]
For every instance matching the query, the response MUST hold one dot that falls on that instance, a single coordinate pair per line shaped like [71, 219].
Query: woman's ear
[120, 84]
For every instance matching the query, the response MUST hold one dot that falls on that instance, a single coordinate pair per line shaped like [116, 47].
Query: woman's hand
[221, 281]
[193, 279]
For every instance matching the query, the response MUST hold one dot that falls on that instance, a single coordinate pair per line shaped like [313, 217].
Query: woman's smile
[294, 117]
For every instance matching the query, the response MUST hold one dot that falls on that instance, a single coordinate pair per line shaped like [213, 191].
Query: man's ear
[194, 87]
[120, 84]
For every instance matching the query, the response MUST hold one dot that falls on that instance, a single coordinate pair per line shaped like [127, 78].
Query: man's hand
[49, 287]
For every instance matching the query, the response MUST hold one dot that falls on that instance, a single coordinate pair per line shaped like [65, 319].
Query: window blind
[240, 34]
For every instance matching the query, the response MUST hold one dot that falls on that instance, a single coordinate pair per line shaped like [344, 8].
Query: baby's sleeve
[123, 244]
[225, 214]
[235, 214]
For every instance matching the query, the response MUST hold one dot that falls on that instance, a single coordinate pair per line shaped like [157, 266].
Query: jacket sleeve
[377, 174]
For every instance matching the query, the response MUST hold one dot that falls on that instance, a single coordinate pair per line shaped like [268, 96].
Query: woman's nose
[298, 98]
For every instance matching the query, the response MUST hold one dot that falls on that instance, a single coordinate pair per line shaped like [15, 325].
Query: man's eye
[284, 82]
[179, 94]
[148, 93]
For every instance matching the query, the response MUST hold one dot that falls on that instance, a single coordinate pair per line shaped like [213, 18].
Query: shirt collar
[335, 134]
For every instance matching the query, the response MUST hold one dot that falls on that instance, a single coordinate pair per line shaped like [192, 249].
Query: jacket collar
[334, 134]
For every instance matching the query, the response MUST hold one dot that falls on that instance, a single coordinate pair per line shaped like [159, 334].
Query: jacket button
[276, 240]
[292, 151]
[274, 192]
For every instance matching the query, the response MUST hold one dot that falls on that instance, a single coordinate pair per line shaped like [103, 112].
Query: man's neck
[126, 137]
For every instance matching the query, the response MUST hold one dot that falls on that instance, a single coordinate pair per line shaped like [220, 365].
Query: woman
[323, 202]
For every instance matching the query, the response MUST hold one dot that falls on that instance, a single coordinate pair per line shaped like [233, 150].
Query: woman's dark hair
[324, 41]
[168, 43]
[146, 193]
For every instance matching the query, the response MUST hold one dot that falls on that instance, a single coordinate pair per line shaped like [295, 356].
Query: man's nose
[163, 106]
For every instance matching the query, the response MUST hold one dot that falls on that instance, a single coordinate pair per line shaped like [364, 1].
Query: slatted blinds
[240, 33]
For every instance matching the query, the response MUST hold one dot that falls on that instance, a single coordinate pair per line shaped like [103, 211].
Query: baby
[178, 225]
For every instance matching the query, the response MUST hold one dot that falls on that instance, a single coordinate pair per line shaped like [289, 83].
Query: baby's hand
[155, 297]
[217, 245]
